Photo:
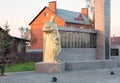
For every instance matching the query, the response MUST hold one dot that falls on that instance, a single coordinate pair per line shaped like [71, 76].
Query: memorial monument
[52, 46]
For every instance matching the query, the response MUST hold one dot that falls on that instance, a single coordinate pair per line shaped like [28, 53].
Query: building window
[78, 40]
[93, 39]
[114, 52]
[45, 14]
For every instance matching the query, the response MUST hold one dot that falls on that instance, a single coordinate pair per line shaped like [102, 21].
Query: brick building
[64, 18]
[78, 37]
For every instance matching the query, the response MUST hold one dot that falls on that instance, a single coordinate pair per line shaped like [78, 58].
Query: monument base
[43, 67]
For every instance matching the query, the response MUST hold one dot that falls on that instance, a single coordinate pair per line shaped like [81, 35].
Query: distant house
[115, 40]
[115, 47]
[19, 45]
[64, 18]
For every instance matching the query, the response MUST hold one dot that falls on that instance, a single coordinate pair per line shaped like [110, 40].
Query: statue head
[52, 18]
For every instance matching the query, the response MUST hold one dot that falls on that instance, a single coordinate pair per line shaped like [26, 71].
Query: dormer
[79, 17]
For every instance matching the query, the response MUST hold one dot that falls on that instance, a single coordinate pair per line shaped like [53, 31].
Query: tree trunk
[2, 69]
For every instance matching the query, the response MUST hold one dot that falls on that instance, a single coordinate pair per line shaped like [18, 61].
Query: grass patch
[21, 67]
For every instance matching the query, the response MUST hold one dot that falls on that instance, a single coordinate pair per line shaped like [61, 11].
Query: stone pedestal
[42, 67]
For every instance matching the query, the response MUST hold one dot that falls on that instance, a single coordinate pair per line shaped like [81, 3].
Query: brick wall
[37, 25]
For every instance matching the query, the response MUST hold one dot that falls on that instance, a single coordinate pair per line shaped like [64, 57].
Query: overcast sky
[21, 12]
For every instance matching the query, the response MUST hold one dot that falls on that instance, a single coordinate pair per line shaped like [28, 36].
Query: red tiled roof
[67, 16]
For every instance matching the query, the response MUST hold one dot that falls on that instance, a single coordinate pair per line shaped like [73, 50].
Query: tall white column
[102, 24]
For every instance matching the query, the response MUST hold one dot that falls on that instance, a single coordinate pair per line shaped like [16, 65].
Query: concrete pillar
[76, 40]
[102, 24]
[70, 36]
[73, 34]
[64, 40]
[61, 37]
[67, 39]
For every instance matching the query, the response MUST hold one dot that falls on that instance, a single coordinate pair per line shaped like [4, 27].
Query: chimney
[85, 11]
[52, 6]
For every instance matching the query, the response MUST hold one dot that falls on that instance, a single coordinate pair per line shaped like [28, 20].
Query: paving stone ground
[82, 76]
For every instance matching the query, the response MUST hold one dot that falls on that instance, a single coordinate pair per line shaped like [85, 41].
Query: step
[90, 64]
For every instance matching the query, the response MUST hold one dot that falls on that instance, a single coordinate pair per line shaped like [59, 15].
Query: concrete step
[91, 64]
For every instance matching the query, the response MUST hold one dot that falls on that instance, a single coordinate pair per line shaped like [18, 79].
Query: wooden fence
[27, 57]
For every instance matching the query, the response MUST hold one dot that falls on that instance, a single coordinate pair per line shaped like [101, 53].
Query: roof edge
[41, 12]
[37, 15]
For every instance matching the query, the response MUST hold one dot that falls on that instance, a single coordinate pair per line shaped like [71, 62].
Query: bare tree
[91, 7]
[33, 38]
[25, 33]
[21, 31]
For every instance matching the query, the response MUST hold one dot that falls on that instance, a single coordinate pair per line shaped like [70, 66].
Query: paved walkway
[83, 76]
